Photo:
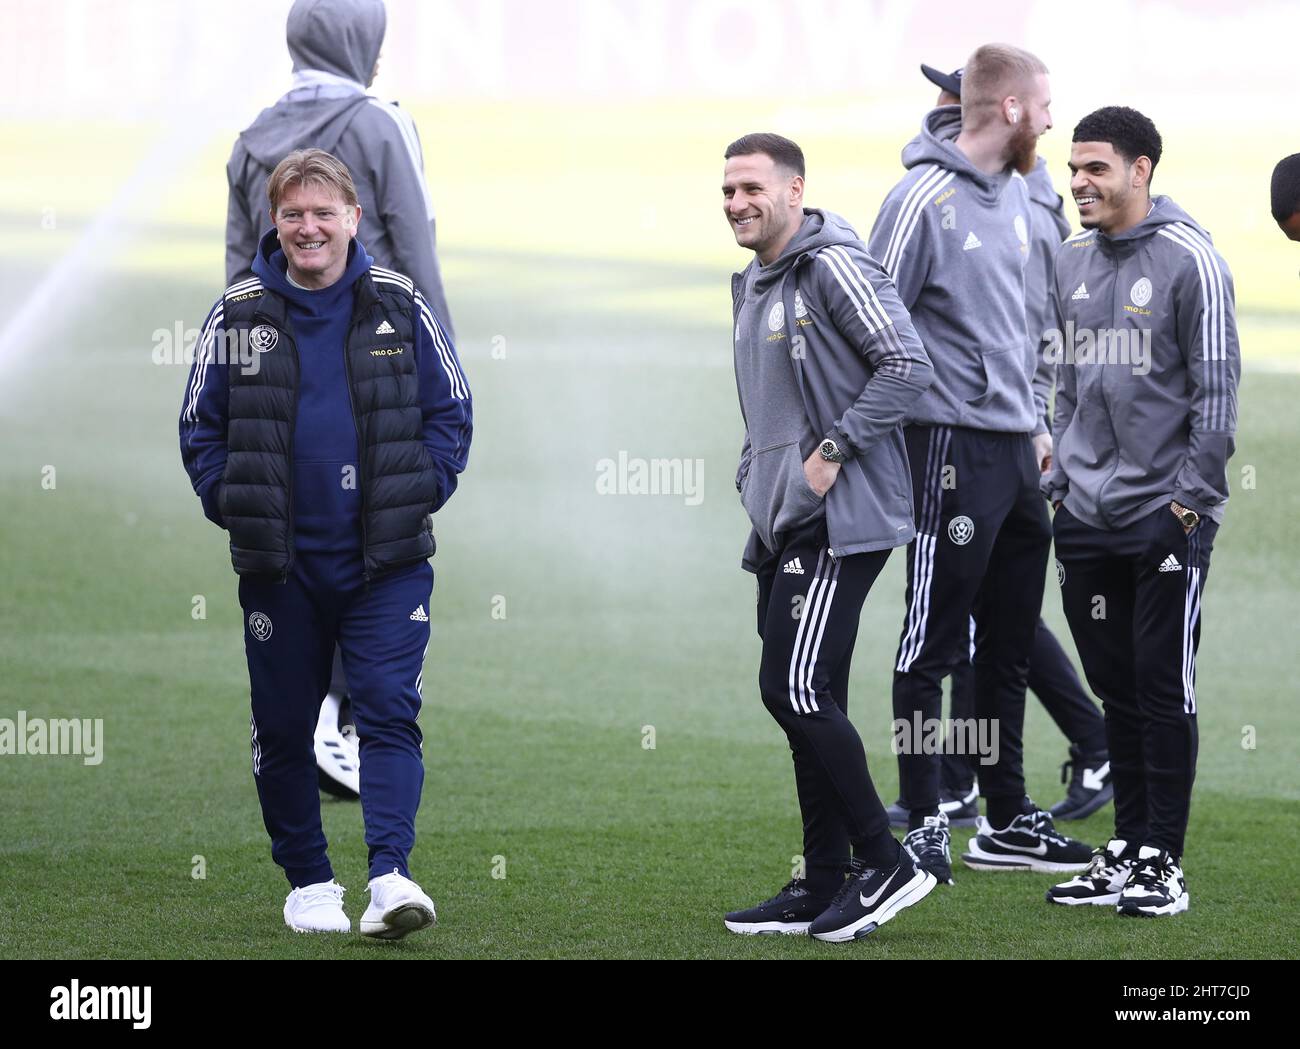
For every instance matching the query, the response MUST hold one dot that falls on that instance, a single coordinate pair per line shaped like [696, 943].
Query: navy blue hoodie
[327, 514]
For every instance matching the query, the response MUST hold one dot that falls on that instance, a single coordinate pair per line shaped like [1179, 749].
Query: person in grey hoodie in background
[954, 235]
[827, 362]
[335, 48]
[1052, 677]
[1146, 416]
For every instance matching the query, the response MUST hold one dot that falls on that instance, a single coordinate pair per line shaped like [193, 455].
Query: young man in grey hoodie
[335, 48]
[1052, 677]
[1145, 420]
[827, 362]
[954, 235]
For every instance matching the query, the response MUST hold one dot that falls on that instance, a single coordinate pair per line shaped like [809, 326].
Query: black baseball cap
[950, 82]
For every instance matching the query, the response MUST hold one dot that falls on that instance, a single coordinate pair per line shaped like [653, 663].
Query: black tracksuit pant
[1052, 678]
[981, 548]
[808, 609]
[1133, 599]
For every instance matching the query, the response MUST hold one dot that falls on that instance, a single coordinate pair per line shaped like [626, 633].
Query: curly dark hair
[1286, 188]
[1129, 132]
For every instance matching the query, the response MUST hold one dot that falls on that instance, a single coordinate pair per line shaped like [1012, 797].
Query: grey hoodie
[376, 140]
[1048, 227]
[1146, 409]
[955, 241]
[851, 370]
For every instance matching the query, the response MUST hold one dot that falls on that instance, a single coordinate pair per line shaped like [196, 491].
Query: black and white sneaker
[790, 911]
[928, 847]
[1089, 788]
[1102, 882]
[1155, 888]
[1030, 843]
[960, 809]
[870, 898]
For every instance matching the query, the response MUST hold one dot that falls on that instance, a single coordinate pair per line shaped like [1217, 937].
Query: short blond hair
[312, 167]
[990, 75]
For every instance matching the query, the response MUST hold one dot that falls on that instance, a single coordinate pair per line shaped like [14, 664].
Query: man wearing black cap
[1052, 677]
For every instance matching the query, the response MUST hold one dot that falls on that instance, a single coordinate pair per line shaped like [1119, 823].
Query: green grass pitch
[547, 828]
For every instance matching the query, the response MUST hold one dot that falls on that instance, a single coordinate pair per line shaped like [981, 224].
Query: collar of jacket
[273, 306]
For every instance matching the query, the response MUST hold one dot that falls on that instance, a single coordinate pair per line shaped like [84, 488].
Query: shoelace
[929, 839]
[1153, 872]
[326, 893]
[850, 886]
[1043, 827]
[793, 885]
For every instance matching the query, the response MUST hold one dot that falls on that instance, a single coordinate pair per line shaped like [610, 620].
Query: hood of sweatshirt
[272, 269]
[1041, 190]
[937, 144]
[819, 229]
[341, 37]
[1163, 213]
[338, 36]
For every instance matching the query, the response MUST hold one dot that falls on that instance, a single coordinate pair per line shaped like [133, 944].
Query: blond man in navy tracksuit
[323, 445]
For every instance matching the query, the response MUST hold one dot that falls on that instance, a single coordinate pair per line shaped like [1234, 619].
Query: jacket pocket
[776, 494]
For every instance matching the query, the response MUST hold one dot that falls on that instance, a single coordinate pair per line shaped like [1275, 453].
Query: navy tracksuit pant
[382, 632]
[1133, 599]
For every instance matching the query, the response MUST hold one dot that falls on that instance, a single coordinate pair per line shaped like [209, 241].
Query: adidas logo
[1081, 292]
[972, 241]
[420, 615]
[385, 329]
[793, 567]
[1170, 564]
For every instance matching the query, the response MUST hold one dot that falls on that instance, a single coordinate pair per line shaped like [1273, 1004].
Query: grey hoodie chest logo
[1140, 293]
[776, 316]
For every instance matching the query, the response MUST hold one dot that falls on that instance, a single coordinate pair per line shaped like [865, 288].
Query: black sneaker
[1156, 887]
[1103, 881]
[1090, 785]
[1030, 843]
[790, 911]
[960, 809]
[870, 898]
[928, 847]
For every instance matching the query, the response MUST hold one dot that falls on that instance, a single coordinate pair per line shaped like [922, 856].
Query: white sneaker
[317, 908]
[397, 906]
[338, 753]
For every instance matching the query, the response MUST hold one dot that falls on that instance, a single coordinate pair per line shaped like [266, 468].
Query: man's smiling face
[315, 227]
[761, 201]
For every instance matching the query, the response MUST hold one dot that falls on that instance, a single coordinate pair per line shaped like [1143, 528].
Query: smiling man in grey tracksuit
[827, 362]
[954, 235]
[1145, 420]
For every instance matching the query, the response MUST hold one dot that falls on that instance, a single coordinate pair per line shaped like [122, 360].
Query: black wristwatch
[831, 452]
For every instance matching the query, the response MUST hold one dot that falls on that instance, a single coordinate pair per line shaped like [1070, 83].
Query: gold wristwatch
[1189, 518]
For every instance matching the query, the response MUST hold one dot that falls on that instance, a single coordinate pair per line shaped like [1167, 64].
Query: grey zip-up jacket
[1048, 227]
[376, 140]
[1146, 408]
[858, 365]
[955, 241]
